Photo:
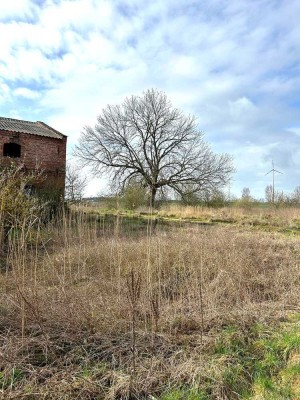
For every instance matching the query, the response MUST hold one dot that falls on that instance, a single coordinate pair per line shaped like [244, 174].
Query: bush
[216, 199]
[18, 207]
[134, 196]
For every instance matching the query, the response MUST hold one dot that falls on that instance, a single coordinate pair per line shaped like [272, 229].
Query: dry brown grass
[280, 216]
[90, 313]
[262, 216]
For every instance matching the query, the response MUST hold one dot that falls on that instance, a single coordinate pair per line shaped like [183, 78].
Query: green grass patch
[184, 394]
[250, 364]
[11, 378]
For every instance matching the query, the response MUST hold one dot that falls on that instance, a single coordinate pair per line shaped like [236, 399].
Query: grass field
[98, 306]
[263, 217]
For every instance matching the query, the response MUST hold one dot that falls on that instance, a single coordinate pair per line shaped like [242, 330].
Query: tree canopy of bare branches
[148, 140]
[75, 183]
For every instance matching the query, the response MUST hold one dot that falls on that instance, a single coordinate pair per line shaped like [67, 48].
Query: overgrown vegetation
[253, 216]
[98, 307]
[17, 207]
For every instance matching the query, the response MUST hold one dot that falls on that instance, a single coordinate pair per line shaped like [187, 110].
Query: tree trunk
[152, 196]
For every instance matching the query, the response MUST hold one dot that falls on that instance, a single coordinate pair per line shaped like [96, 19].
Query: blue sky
[234, 64]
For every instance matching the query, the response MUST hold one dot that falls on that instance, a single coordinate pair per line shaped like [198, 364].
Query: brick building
[35, 145]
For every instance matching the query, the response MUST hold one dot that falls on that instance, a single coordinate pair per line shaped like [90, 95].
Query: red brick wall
[46, 153]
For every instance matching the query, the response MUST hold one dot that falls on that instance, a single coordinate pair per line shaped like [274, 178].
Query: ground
[101, 306]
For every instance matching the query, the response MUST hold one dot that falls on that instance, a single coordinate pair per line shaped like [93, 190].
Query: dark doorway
[11, 150]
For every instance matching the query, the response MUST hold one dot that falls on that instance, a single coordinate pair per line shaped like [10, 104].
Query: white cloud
[234, 64]
[295, 129]
[26, 93]
[15, 8]
[243, 108]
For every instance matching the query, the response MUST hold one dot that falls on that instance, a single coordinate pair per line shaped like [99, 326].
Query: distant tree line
[134, 196]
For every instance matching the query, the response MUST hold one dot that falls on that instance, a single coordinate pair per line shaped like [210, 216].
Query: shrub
[18, 207]
[134, 196]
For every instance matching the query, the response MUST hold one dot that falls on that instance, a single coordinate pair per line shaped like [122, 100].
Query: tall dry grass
[245, 214]
[93, 310]
[285, 215]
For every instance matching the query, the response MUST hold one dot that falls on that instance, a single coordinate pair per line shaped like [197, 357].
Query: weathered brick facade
[44, 150]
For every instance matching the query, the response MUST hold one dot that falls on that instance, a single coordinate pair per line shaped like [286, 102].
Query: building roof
[33, 128]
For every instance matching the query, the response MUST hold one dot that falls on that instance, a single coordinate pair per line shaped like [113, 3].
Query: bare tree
[296, 195]
[246, 194]
[269, 193]
[75, 183]
[275, 196]
[146, 139]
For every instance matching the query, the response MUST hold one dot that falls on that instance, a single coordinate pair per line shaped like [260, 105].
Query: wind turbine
[273, 188]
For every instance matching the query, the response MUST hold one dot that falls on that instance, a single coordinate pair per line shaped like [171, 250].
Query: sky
[234, 64]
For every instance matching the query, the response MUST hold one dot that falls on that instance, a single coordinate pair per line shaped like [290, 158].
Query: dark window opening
[11, 150]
